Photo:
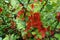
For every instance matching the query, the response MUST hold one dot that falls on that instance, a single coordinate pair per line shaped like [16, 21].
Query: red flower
[13, 24]
[38, 38]
[40, 0]
[31, 12]
[43, 31]
[35, 0]
[34, 21]
[0, 9]
[32, 6]
[52, 32]
[35, 17]
[58, 16]
[20, 12]
[29, 35]
[28, 26]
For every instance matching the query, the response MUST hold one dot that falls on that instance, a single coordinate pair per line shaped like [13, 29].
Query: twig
[9, 37]
[43, 6]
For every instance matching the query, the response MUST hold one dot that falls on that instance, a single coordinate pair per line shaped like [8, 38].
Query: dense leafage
[35, 18]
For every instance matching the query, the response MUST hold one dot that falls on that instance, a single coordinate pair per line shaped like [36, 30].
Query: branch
[43, 6]
[25, 9]
[54, 30]
[56, 25]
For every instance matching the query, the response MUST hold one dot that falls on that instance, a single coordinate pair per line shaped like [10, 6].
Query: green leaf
[49, 7]
[58, 25]
[20, 24]
[22, 15]
[10, 37]
[6, 38]
[55, 1]
[33, 33]
[57, 36]
[14, 3]
[13, 37]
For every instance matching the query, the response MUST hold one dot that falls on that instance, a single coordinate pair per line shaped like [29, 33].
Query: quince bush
[30, 19]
